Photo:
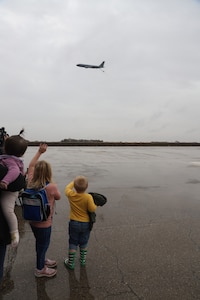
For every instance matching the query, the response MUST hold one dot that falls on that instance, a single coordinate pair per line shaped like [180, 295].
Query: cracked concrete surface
[145, 244]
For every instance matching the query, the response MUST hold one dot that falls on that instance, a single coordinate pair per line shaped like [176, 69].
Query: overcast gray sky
[150, 90]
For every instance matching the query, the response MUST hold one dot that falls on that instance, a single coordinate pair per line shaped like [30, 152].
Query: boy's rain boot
[14, 238]
[83, 253]
[70, 261]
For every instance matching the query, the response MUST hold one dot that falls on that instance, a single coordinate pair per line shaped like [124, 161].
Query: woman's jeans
[2, 258]
[79, 233]
[42, 236]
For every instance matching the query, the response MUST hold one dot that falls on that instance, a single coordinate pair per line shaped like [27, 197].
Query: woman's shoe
[45, 272]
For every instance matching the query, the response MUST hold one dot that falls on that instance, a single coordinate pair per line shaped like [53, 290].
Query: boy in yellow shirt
[79, 225]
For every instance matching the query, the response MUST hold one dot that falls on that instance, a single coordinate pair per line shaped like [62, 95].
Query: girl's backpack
[35, 205]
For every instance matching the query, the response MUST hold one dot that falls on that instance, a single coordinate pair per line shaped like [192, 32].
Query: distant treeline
[82, 142]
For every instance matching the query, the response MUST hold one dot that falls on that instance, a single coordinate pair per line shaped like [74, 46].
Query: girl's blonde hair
[42, 175]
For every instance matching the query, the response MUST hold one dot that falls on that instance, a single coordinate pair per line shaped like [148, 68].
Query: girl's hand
[43, 148]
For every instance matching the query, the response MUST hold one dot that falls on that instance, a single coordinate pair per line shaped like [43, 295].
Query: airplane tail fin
[102, 64]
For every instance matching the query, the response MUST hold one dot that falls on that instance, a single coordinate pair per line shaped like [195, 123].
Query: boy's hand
[43, 148]
[3, 185]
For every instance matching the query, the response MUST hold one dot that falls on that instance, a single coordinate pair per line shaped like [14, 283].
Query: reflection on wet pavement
[145, 243]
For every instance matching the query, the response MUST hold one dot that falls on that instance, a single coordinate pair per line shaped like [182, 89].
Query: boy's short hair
[80, 184]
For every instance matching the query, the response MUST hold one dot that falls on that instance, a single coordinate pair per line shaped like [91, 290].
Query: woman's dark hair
[15, 145]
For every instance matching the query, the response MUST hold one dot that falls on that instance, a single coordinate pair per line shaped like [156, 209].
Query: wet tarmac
[145, 244]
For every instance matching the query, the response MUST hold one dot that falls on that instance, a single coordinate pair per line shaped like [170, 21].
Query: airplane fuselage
[91, 66]
[88, 66]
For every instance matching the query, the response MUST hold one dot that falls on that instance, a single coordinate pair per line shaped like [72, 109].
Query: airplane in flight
[91, 66]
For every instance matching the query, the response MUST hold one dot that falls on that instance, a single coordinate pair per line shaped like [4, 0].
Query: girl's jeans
[42, 236]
